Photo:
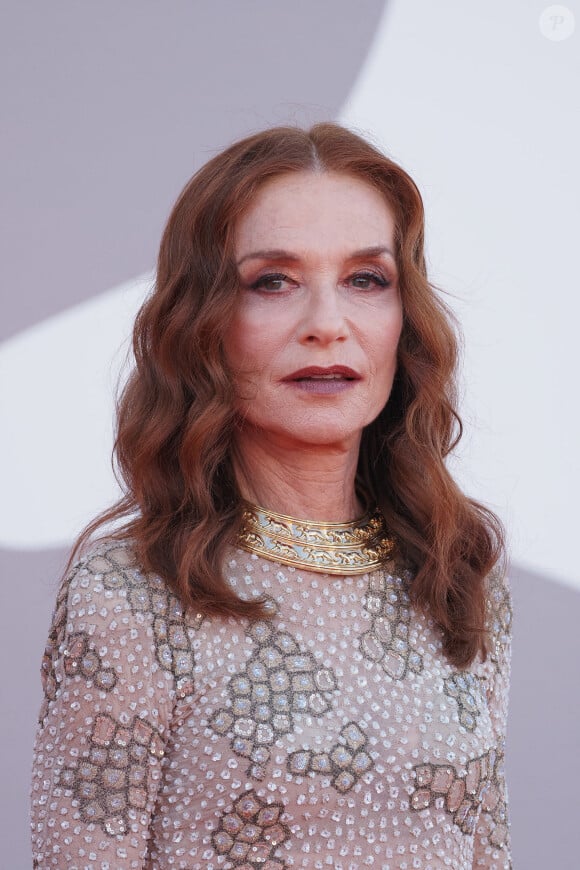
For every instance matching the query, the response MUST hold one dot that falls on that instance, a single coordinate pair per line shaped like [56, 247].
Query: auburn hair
[176, 414]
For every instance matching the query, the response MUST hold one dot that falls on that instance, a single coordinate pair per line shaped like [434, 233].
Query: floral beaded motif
[387, 642]
[463, 795]
[250, 833]
[55, 637]
[80, 657]
[277, 683]
[464, 689]
[494, 819]
[344, 763]
[148, 594]
[337, 782]
[499, 614]
[113, 778]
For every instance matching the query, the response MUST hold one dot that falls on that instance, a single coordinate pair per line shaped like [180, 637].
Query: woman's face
[313, 343]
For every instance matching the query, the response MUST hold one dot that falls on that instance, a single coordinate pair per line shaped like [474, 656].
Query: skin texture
[316, 304]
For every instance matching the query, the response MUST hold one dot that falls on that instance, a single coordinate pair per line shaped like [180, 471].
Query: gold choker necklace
[328, 548]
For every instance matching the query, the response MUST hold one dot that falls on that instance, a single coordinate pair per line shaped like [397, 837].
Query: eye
[367, 280]
[271, 283]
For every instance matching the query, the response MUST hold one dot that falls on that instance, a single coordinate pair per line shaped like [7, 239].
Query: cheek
[241, 342]
[251, 347]
[385, 343]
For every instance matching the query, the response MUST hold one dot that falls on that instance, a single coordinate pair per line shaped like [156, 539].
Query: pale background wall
[109, 108]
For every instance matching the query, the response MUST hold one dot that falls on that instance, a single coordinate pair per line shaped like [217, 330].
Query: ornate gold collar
[329, 548]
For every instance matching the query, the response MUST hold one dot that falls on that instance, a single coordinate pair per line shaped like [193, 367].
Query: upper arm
[492, 848]
[500, 618]
[103, 724]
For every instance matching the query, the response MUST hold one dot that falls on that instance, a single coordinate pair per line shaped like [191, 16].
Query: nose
[324, 320]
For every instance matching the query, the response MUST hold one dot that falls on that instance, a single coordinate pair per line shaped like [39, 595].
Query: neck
[310, 483]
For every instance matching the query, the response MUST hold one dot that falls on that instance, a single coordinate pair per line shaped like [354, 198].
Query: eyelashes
[371, 277]
[363, 280]
[265, 282]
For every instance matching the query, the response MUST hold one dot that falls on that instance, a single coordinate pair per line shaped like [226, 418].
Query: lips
[323, 373]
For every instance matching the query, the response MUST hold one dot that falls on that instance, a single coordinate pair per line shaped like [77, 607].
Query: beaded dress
[332, 734]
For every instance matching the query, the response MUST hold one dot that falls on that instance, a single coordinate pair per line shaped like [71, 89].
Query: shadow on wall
[543, 761]
[107, 116]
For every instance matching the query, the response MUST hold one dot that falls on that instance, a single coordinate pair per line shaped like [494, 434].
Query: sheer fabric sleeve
[492, 837]
[103, 724]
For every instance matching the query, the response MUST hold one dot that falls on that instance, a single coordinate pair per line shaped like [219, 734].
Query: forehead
[326, 209]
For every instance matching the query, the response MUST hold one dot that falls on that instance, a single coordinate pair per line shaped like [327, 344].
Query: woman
[294, 651]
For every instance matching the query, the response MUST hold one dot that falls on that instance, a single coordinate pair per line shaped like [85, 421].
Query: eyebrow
[278, 254]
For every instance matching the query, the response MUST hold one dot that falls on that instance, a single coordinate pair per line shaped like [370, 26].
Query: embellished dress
[333, 734]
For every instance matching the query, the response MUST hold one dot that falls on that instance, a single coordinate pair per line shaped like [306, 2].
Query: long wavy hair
[177, 419]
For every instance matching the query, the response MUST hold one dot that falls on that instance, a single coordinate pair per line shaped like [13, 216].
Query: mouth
[320, 373]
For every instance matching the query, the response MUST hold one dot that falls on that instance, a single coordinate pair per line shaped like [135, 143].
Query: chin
[323, 436]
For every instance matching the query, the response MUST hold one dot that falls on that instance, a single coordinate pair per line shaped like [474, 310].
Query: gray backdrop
[108, 109]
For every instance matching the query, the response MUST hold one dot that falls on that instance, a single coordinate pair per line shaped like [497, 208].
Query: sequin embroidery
[462, 795]
[344, 763]
[113, 778]
[387, 642]
[80, 657]
[276, 684]
[499, 614]
[250, 833]
[299, 747]
[465, 690]
[55, 636]
[148, 594]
